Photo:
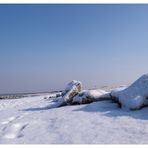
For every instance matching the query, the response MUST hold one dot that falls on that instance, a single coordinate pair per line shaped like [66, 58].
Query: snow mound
[71, 90]
[72, 85]
[88, 96]
[73, 94]
[135, 96]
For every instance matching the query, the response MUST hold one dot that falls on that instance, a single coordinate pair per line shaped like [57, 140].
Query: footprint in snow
[14, 131]
[9, 120]
[13, 118]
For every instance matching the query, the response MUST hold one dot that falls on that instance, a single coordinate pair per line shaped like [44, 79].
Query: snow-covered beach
[73, 73]
[30, 120]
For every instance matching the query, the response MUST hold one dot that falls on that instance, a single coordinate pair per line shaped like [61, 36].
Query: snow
[72, 85]
[135, 96]
[73, 82]
[72, 89]
[93, 94]
[14, 131]
[41, 120]
[30, 121]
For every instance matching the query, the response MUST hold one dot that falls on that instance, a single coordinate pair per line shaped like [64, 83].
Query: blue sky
[43, 47]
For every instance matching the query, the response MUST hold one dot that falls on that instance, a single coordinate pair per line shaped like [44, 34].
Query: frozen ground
[29, 121]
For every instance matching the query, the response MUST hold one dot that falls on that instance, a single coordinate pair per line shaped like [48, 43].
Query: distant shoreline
[22, 95]
[28, 93]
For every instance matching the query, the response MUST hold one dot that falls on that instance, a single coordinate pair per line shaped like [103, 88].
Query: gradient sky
[43, 47]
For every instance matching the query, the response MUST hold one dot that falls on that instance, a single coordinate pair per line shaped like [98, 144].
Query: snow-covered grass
[30, 121]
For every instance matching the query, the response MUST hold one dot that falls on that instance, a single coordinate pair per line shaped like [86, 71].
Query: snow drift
[135, 96]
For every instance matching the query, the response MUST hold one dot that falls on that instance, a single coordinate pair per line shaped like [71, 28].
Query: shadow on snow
[110, 109]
